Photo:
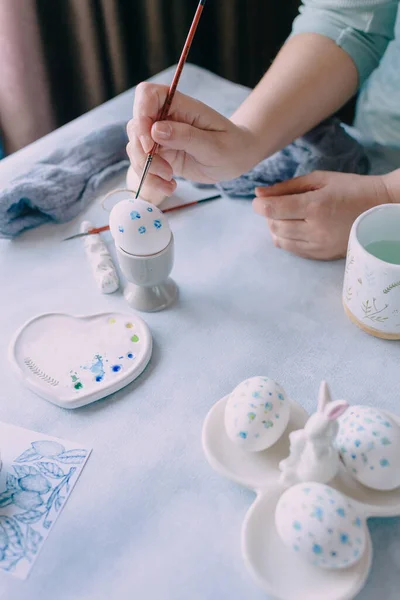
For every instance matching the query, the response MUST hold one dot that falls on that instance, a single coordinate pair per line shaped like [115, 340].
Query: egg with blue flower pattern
[369, 445]
[257, 413]
[139, 228]
[321, 525]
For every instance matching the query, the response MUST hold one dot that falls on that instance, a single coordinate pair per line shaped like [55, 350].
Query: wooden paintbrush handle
[99, 229]
[171, 92]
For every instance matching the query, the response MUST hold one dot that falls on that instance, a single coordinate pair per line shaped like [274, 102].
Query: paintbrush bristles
[144, 174]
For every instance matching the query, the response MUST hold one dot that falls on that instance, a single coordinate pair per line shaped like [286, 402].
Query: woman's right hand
[196, 143]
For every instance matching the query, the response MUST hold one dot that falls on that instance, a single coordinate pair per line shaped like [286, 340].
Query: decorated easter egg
[321, 525]
[139, 228]
[369, 445]
[257, 413]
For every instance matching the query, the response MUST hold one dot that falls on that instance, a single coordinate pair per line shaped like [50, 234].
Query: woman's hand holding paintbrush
[196, 143]
[171, 134]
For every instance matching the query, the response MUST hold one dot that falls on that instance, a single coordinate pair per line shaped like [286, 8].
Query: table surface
[149, 518]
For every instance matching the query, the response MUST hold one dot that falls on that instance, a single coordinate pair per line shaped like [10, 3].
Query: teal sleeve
[363, 28]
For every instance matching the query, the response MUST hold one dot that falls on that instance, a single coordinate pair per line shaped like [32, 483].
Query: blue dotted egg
[259, 408]
[369, 444]
[331, 536]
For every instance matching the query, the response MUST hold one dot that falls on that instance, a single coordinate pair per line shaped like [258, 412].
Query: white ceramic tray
[72, 361]
[278, 570]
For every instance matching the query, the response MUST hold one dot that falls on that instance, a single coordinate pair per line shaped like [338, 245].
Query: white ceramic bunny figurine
[313, 456]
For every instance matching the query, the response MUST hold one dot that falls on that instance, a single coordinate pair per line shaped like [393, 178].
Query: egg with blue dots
[139, 228]
[369, 445]
[321, 525]
[256, 414]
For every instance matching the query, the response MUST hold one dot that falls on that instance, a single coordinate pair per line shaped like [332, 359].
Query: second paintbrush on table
[172, 208]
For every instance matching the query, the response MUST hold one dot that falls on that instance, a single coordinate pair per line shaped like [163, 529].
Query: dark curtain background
[91, 50]
[96, 49]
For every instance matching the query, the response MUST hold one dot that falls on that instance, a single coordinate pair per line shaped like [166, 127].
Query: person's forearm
[392, 182]
[309, 80]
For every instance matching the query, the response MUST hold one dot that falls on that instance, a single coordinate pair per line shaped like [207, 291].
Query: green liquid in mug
[389, 251]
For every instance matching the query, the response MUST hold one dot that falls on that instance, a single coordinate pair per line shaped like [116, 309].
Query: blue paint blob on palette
[97, 368]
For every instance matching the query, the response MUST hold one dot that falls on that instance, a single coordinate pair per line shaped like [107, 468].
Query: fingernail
[260, 191]
[146, 142]
[261, 207]
[164, 130]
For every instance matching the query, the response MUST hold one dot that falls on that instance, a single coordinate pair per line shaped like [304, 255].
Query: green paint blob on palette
[78, 385]
[135, 338]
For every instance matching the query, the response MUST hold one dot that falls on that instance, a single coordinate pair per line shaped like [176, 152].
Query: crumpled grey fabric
[61, 185]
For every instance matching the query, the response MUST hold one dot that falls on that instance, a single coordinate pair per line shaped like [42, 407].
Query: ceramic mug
[371, 290]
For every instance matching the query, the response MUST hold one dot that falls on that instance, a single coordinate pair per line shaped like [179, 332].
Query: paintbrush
[166, 210]
[170, 96]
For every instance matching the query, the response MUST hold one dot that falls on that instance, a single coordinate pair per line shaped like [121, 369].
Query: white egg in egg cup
[277, 568]
[145, 251]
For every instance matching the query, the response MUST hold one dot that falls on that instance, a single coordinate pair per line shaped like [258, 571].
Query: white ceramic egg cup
[277, 569]
[73, 361]
[149, 287]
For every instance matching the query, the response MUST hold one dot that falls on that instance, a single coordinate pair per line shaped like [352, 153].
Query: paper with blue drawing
[38, 475]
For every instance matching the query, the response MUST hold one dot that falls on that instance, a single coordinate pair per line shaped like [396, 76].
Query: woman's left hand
[311, 216]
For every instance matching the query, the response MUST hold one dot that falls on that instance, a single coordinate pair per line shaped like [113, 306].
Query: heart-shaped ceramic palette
[72, 361]
[278, 570]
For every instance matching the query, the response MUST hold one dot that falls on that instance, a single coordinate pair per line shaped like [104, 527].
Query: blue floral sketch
[36, 490]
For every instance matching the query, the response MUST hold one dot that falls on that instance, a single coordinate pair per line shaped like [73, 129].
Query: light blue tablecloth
[149, 519]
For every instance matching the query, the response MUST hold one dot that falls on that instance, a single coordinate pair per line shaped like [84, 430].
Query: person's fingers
[159, 166]
[149, 100]
[283, 207]
[291, 230]
[299, 248]
[159, 182]
[154, 188]
[298, 185]
[305, 249]
[140, 129]
[180, 136]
